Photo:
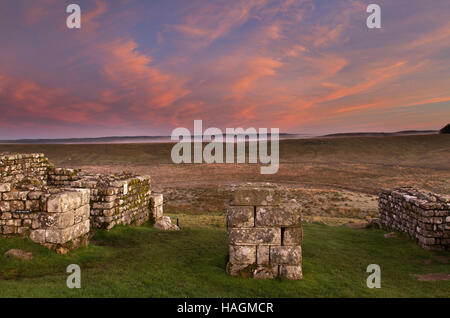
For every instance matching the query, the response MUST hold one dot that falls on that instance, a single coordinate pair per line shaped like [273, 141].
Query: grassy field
[144, 262]
[362, 164]
[332, 177]
[336, 180]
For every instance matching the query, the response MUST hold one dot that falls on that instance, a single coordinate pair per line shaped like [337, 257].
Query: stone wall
[114, 199]
[52, 217]
[31, 189]
[265, 234]
[422, 215]
[20, 167]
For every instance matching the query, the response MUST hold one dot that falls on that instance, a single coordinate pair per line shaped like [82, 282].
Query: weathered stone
[255, 194]
[15, 195]
[58, 236]
[263, 253]
[241, 270]
[158, 212]
[65, 201]
[293, 272]
[81, 214]
[5, 206]
[56, 220]
[38, 236]
[19, 254]
[254, 236]
[240, 216]
[103, 205]
[292, 236]
[8, 229]
[5, 187]
[288, 255]
[265, 272]
[165, 224]
[32, 205]
[5, 216]
[283, 215]
[34, 195]
[242, 254]
[157, 199]
[17, 206]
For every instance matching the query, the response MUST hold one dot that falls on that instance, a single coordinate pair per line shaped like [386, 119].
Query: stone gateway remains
[265, 234]
[56, 207]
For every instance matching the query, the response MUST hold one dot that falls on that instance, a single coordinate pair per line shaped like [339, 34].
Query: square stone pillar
[65, 219]
[265, 234]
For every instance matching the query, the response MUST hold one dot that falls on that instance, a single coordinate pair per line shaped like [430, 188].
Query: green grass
[145, 262]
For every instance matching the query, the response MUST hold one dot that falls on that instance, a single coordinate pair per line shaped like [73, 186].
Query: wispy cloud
[146, 67]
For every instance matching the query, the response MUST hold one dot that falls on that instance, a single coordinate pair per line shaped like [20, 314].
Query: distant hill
[101, 140]
[156, 139]
[112, 139]
[381, 134]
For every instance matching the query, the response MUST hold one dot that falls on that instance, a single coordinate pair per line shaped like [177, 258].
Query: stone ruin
[56, 207]
[114, 199]
[422, 215]
[265, 234]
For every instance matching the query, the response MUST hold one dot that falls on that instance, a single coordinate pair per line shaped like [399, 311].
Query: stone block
[85, 195]
[5, 216]
[17, 205]
[158, 212]
[8, 229]
[293, 272]
[286, 255]
[254, 236]
[156, 199]
[56, 220]
[242, 254]
[38, 236]
[81, 214]
[241, 270]
[5, 187]
[292, 236]
[5, 206]
[265, 272]
[263, 254]
[32, 205]
[255, 194]
[80, 229]
[240, 216]
[103, 205]
[34, 195]
[283, 215]
[64, 201]
[15, 195]
[58, 236]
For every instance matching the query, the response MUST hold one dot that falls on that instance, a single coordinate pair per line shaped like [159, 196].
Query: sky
[148, 67]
